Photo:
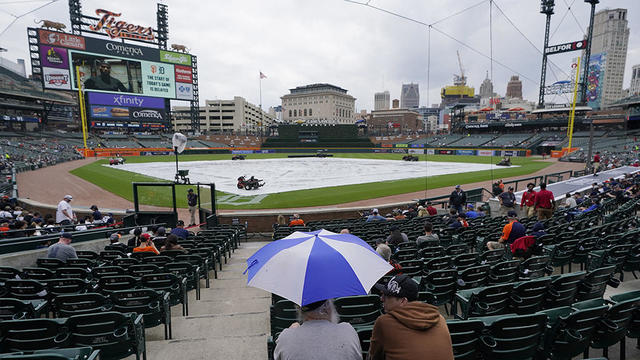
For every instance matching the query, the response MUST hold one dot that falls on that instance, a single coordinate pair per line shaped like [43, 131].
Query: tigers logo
[56, 79]
[121, 29]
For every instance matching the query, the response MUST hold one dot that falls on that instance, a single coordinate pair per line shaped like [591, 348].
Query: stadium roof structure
[15, 86]
[561, 110]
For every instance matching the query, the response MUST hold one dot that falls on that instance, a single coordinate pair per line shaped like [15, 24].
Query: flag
[262, 76]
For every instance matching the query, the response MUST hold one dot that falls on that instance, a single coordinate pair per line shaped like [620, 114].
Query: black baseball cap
[512, 214]
[401, 286]
[66, 235]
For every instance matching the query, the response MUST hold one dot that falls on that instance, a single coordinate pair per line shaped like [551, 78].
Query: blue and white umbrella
[306, 267]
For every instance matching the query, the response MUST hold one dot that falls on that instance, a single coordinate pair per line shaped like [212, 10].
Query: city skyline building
[611, 37]
[410, 96]
[514, 88]
[382, 100]
[486, 88]
[224, 117]
[318, 103]
[634, 87]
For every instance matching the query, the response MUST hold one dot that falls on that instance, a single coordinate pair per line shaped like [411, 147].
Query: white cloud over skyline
[358, 48]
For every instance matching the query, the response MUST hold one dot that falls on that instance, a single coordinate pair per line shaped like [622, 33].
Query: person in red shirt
[544, 202]
[596, 163]
[431, 210]
[528, 199]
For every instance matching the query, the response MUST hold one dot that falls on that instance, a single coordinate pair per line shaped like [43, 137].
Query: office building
[410, 96]
[634, 88]
[382, 100]
[486, 88]
[224, 117]
[611, 37]
[514, 88]
[318, 103]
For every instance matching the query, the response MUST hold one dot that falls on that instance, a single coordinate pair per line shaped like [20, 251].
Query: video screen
[105, 73]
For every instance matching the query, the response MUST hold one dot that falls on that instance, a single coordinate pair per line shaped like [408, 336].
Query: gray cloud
[360, 49]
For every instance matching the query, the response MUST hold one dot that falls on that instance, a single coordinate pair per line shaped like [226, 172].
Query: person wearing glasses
[104, 81]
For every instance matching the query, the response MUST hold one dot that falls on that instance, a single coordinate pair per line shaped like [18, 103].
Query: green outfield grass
[119, 181]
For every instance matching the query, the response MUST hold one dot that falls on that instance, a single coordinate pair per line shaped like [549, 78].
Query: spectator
[510, 232]
[280, 222]
[192, 201]
[397, 215]
[319, 337]
[180, 231]
[396, 237]
[96, 214]
[428, 235]
[569, 201]
[146, 245]
[296, 221]
[457, 199]
[431, 210]
[385, 252]
[497, 188]
[172, 244]
[62, 250]
[114, 242]
[345, 231]
[528, 200]
[409, 329]
[375, 216]
[544, 203]
[471, 214]
[460, 222]
[538, 229]
[422, 212]
[411, 212]
[135, 240]
[64, 213]
[160, 236]
[6, 213]
[507, 201]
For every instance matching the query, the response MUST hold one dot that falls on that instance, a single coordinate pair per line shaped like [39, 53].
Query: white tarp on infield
[288, 174]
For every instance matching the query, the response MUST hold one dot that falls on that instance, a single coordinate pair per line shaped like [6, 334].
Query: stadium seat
[38, 273]
[154, 305]
[101, 271]
[364, 334]
[81, 263]
[139, 270]
[569, 331]
[25, 289]
[81, 353]
[73, 272]
[482, 301]
[464, 261]
[15, 309]
[108, 284]
[491, 257]
[411, 267]
[115, 334]
[534, 267]
[595, 283]
[77, 304]
[172, 284]
[85, 254]
[442, 285]
[563, 289]
[198, 261]
[159, 260]
[124, 262]
[439, 263]
[504, 272]
[7, 272]
[57, 287]
[50, 263]
[358, 310]
[528, 297]
[561, 254]
[473, 277]
[33, 334]
[512, 337]
[465, 338]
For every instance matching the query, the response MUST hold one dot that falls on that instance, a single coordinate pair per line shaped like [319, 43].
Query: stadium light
[546, 6]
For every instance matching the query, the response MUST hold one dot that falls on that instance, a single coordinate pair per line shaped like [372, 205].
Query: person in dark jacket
[458, 199]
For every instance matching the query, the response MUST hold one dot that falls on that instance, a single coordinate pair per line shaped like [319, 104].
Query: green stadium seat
[82, 353]
[198, 261]
[73, 272]
[124, 262]
[561, 254]
[139, 270]
[7, 272]
[358, 310]
[78, 304]
[482, 301]
[534, 267]
[154, 305]
[563, 289]
[512, 337]
[25, 289]
[174, 285]
[81, 263]
[102, 271]
[108, 284]
[16, 309]
[473, 277]
[528, 297]
[50, 263]
[569, 331]
[38, 273]
[33, 334]
[595, 283]
[57, 287]
[503, 272]
[187, 270]
[465, 338]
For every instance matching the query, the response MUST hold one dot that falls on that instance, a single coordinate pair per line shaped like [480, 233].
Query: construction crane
[460, 79]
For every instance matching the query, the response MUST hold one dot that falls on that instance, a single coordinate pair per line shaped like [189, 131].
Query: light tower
[546, 7]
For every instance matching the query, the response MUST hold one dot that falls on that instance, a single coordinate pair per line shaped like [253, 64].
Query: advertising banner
[19, 118]
[485, 152]
[61, 39]
[125, 100]
[402, 145]
[147, 115]
[242, 151]
[57, 79]
[446, 152]
[175, 58]
[183, 74]
[150, 153]
[158, 79]
[416, 151]
[54, 57]
[505, 116]
[431, 152]
[465, 152]
[109, 112]
[184, 91]
[597, 64]
[118, 49]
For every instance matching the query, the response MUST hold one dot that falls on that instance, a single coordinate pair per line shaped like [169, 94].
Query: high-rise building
[318, 103]
[634, 88]
[514, 88]
[611, 36]
[410, 96]
[382, 100]
[486, 88]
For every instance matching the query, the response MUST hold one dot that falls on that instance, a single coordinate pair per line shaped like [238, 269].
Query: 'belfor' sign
[572, 46]
[121, 29]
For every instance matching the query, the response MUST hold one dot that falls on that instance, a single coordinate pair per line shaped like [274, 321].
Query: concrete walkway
[230, 321]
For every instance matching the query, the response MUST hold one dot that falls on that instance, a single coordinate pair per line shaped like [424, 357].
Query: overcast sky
[363, 50]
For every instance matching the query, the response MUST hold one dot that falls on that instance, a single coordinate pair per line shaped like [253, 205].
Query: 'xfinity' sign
[125, 100]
